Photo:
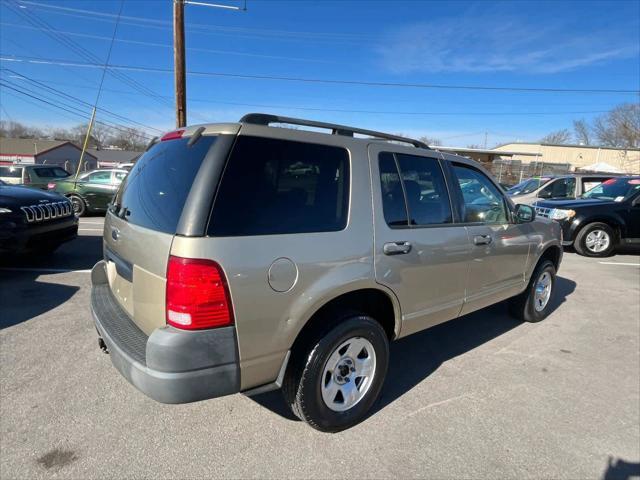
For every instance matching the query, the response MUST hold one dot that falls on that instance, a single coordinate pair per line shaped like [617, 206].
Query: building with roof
[44, 152]
[110, 157]
[578, 156]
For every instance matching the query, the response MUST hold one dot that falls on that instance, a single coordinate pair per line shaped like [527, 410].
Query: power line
[167, 45]
[46, 28]
[136, 68]
[66, 108]
[78, 100]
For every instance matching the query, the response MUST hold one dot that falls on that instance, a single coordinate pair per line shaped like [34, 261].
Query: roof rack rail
[267, 119]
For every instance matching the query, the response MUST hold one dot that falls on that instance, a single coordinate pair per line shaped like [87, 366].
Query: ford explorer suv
[246, 257]
[604, 219]
[556, 187]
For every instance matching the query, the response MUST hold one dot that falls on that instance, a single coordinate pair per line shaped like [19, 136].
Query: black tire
[580, 243]
[523, 306]
[79, 207]
[302, 386]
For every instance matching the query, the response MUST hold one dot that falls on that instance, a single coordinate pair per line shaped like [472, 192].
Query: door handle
[482, 240]
[396, 248]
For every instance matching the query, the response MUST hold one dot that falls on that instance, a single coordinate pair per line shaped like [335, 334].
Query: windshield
[528, 186]
[616, 189]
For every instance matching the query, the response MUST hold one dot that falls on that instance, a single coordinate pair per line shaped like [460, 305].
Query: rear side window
[51, 172]
[11, 172]
[417, 195]
[154, 192]
[272, 186]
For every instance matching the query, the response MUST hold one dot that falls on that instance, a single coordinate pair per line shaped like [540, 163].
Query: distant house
[109, 158]
[44, 152]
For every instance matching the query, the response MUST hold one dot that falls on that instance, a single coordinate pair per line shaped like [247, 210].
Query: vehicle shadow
[427, 350]
[23, 296]
[621, 470]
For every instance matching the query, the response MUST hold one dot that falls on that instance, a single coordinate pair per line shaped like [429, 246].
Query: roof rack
[267, 119]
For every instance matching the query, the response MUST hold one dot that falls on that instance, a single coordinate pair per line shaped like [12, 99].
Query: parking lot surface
[483, 396]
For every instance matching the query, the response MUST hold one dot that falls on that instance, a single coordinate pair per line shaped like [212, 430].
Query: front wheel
[334, 381]
[533, 305]
[595, 240]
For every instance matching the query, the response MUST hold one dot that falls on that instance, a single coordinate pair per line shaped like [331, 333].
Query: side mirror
[544, 194]
[525, 213]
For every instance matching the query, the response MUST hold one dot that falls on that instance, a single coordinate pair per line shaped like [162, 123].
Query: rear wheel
[595, 240]
[533, 305]
[79, 207]
[334, 381]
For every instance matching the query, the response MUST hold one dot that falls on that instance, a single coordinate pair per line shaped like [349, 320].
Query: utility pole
[485, 139]
[179, 62]
[180, 71]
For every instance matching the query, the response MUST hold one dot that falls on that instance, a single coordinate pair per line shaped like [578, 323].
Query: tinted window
[393, 204]
[528, 186]
[425, 189]
[51, 172]
[119, 176]
[11, 172]
[155, 190]
[560, 188]
[274, 186]
[482, 201]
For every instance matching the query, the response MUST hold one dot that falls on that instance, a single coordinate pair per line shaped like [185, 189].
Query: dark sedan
[602, 219]
[34, 220]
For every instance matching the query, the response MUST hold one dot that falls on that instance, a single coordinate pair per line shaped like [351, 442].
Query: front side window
[272, 186]
[482, 201]
[560, 188]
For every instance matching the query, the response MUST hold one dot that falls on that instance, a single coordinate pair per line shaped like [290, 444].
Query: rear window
[277, 187]
[156, 189]
[11, 172]
[51, 172]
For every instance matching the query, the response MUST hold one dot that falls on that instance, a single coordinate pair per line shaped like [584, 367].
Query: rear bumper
[170, 365]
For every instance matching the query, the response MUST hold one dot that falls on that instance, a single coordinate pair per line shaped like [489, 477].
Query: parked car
[36, 176]
[604, 218]
[560, 186]
[92, 191]
[33, 220]
[224, 271]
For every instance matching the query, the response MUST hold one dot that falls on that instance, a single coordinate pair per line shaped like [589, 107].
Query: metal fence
[511, 172]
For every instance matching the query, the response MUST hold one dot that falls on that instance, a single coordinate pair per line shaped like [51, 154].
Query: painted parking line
[621, 263]
[43, 270]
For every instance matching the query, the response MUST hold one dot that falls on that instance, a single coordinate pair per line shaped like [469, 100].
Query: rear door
[500, 247]
[420, 253]
[140, 225]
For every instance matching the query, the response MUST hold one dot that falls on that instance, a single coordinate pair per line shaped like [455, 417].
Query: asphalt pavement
[483, 396]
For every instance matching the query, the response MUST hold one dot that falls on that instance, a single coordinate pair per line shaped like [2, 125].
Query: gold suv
[244, 257]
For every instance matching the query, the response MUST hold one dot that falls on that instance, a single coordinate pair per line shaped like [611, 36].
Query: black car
[605, 217]
[34, 220]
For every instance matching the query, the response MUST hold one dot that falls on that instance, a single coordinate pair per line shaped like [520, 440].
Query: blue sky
[569, 45]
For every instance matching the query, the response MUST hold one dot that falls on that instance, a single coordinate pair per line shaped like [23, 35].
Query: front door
[419, 253]
[98, 189]
[500, 247]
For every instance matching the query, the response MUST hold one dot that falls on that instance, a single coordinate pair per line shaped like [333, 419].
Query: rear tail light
[51, 186]
[197, 294]
[172, 135]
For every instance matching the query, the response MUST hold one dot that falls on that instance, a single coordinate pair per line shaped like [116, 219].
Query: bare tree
[582, 132]
[430, 140]
[129, 139]
[620, 127]
[558, 137]
[18, 130]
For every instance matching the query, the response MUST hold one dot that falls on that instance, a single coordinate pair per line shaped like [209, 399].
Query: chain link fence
[512, 172]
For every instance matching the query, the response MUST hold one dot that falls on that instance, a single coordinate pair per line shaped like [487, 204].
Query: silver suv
[243, 257]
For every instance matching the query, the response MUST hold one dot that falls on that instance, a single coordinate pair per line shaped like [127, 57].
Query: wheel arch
[617, 224]
[374, 301]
